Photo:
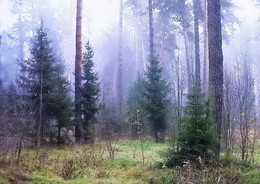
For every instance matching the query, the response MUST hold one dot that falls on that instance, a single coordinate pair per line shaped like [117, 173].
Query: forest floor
[119, 162]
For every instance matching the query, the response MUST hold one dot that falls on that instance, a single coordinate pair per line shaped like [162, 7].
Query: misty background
[100, 26]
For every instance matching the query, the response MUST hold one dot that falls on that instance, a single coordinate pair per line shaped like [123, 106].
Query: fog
[101, 22]
[129, 91]
[100, 25]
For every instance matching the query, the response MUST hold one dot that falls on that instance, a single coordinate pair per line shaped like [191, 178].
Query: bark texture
[185, 32]
[197, 40]
[151, 28]
[78, 69]
[215, 66]
[206, 56]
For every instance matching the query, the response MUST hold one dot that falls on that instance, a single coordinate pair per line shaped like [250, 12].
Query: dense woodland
[177, 73]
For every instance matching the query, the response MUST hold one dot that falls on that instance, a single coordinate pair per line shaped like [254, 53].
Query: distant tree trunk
[143, 55]
[188, 61]
[136, 54]
[33, 20]
[21, 39]
[215, 66]
[185, 28]
[114, 82]
[206, 56]
[161, 58]
[39, 124]
[0, 62]
[197, 40]
[226, 127]
[152, 59]
[151, 28]
[178, 96]
[151, 32]
[78, 68]
[120, 89]
[59, 135]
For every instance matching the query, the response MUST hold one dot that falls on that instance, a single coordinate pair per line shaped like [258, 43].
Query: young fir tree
[135, 107]
[156, 92]
[90, 92]
[44, 86]
[196, 134]
[59, 103]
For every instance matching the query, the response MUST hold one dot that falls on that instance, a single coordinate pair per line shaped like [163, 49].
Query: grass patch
[40, 178]
[4, 181]
[252, 177]
[135, 162]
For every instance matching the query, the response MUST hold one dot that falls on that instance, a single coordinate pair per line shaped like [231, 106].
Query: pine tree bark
[120, 58]
[151, 28]
[185, 27]
[40, 123]
[215, 66]
[197, 40]
[178, 72]
[78, 68]
[188, 61]
[151, 32]
[206, 57]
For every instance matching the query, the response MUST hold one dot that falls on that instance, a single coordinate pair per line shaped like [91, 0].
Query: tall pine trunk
[21, 39]
[206, 56]
[151, 28]
[215, 66]
[120, 58]
[188, 61]
[197, 40]
[151, 32]
[143, 54]
[78, 67]
[185, 29]
[136, 55]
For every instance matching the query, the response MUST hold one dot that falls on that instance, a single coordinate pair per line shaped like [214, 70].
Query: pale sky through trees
[102, 16]
[105, 12]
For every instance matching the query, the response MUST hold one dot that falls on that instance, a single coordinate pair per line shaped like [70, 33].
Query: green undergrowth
[252, 177]
[4, 181]
[134, 162]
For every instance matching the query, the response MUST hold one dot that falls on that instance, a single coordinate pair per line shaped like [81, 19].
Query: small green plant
[252, 177]
[196, 136]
